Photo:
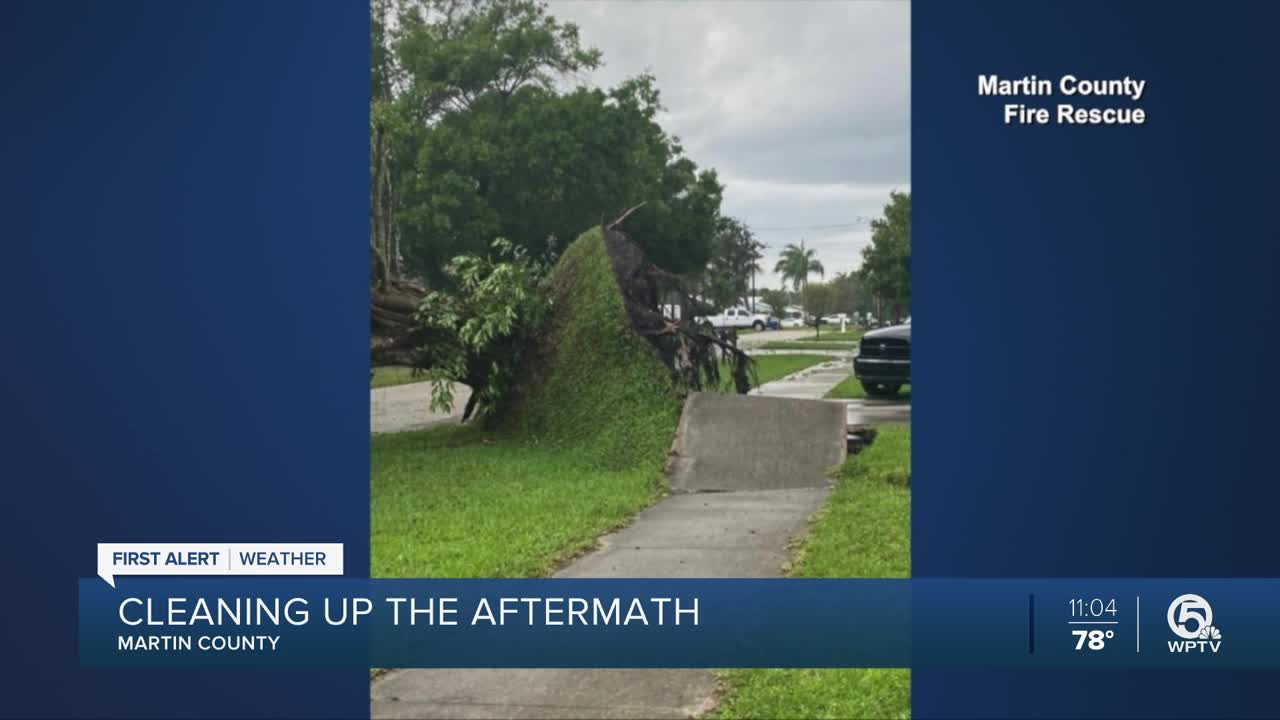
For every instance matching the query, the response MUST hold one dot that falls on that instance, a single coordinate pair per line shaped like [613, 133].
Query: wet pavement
[878, 412]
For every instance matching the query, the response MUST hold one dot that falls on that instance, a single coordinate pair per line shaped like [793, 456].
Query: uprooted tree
[518, 335]
[692, 351]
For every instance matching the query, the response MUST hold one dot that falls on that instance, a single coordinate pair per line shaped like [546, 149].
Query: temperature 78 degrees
[1092, 639]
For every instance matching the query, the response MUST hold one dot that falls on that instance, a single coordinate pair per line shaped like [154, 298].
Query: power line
[795, 228]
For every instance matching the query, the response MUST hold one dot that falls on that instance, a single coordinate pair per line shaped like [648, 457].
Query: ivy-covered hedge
[592, 380]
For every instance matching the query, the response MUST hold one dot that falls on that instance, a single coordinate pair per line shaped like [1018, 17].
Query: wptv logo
[1191, 619]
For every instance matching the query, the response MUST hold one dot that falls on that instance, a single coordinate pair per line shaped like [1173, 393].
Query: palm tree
[795, 265]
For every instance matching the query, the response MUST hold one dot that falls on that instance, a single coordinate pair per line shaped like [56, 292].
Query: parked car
[737, 318]
[792, 318]
[883, 362]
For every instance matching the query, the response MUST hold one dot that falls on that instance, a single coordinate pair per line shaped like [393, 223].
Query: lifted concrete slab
[750, 442]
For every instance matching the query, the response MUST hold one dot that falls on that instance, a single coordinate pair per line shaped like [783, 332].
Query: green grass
[851, 389]
[774, 367]
[458, 502]
[808, 345]
[864, 530]
[388, 376]
[834, 336]
[578, 450]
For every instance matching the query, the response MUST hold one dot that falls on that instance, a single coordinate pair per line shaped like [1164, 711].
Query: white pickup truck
[737, 317]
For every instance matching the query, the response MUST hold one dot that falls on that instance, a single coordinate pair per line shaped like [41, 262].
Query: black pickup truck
[883, 363]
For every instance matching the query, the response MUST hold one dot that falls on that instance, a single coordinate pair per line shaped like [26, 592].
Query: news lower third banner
[689, 623]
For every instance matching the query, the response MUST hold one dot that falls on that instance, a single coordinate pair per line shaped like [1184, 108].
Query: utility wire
[797, 228]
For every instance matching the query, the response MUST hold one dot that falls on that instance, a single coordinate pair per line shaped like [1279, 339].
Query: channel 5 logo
[1191, 619]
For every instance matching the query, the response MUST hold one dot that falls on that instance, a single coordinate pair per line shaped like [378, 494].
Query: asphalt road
[752, 340]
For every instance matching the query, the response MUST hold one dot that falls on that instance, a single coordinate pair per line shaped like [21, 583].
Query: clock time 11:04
[1092, 607]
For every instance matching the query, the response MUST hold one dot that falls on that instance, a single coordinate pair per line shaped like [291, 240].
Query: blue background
[1096, 373]
[184, 307]
[183, 301]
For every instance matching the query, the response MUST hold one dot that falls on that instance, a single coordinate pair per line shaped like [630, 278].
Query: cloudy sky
[802, 107]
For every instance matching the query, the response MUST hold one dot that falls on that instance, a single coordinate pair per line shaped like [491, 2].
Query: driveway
[401, 408]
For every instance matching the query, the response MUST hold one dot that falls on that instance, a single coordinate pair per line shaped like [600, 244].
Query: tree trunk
[393, 299]
[391, 323]
[378, 220]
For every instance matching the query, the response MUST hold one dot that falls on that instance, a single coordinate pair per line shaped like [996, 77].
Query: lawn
[393, 375]
[851, 389]
[864, 530]
[457, 502]
[809, 345]
[774, 367]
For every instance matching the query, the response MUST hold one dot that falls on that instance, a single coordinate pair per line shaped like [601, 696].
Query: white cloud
[803, 107]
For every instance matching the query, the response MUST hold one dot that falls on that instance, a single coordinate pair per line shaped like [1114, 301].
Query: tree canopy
[851, 294]
[886, 262]
[778, 301]
[819, 300]
[479, 129]
[736, 257]
[481, 141]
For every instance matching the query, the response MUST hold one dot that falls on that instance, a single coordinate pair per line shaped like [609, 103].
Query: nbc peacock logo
[1191, 619]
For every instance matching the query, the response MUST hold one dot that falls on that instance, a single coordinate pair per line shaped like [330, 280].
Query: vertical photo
[640, 286]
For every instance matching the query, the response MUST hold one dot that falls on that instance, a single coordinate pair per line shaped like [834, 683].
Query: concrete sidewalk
[731, 534]
[811, 383]
[741, 528]
[817, 381]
